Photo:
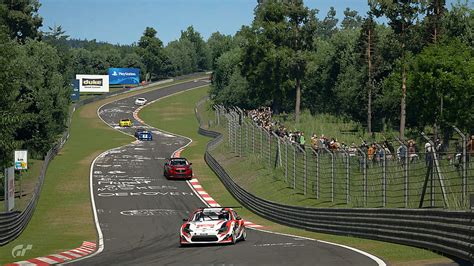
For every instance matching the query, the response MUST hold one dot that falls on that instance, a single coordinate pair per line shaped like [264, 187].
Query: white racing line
[379, 261]
[94, 207]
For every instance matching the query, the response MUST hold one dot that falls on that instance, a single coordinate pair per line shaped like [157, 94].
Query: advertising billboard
[21, 160]
[93, 83]
[9, 189]
[124, 76]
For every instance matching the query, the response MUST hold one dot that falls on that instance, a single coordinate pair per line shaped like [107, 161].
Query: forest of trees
[287, 58]
[413, 70]
[37, 67]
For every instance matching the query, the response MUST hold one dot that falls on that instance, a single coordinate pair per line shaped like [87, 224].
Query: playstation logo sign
[115, 73]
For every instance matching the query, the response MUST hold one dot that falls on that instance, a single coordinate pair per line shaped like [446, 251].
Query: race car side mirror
[238, 218]
[190, 163]
[185, 220]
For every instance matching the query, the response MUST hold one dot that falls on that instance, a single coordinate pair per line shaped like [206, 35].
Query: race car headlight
[186, 229]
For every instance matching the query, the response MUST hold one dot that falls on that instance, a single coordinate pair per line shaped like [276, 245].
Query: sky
[124, 21]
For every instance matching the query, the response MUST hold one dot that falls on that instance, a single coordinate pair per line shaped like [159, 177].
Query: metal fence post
[464, 165]
[294, 166]
[278, 150]
[332, 173]
[261, 142]
[286, 161]
[317, 172]
[346, 155]
[384, 176]
[406, 192]
[305, 172]
[253, 138]
[364, 173]
[269, 149]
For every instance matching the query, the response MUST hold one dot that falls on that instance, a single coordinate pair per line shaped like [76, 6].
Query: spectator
[412, 151]
[371, 152]
[302, 141]
[429, 153]
[470, 148]
[401, 154]
[314, 142]
[352, 150]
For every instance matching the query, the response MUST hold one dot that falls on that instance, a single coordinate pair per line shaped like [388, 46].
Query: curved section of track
[139, 211]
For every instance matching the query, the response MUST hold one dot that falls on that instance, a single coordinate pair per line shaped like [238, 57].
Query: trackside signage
[9, 189]
[124, 76]
[93, 83]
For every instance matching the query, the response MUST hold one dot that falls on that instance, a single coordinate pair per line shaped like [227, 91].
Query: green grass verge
[176, 114]
[63, 217]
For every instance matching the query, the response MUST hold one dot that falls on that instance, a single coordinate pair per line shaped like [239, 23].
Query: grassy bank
[63, 217]
[176, 114]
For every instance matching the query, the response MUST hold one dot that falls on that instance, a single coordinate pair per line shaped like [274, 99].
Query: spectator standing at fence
[302, 141]
[458, 155]
[314, 142]
[470, 148]
[412, 151]
[401, 154]
[371, 152]
[428, 153]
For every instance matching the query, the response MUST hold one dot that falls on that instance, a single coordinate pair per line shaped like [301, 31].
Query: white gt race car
[212, 225]
[140, 101]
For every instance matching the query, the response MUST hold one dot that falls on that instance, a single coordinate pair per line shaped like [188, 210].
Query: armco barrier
[12, 224]
[448, 232]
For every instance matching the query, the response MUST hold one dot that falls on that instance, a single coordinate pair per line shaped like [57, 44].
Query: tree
[328, 26]
[11, 70]
[182, 57]
[351, 19]
[201, 48]
[459, 23]
[218, 44]
[442, 73]
[150, 48]
[22, 19]
[278, 44]
[402, 15]
[434, 16]
[367, 36]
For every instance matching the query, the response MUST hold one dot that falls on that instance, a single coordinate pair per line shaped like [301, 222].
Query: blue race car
[142, 134]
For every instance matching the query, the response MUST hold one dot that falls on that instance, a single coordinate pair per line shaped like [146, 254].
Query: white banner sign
[10, 188]
[93, 83]
[21, 160]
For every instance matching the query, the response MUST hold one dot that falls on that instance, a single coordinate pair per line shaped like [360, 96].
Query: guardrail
[448, 232]
[12, 224]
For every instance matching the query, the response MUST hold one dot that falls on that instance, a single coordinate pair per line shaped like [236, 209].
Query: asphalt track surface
[140, 211]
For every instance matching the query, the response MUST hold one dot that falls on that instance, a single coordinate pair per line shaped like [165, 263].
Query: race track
[139, 212]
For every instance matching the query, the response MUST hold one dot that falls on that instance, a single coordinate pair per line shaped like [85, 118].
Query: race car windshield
[178, 162]
[211, 216]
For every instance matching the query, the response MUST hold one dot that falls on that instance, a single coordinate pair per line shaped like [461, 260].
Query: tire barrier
[444, 231]
[12, 224]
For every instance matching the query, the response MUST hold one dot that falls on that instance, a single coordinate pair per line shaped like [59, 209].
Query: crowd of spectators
[374, 151]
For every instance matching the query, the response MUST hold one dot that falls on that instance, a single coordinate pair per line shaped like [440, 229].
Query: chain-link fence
[387, 177]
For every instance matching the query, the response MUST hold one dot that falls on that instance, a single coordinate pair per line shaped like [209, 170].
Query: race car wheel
[234, 239]
[243, 237]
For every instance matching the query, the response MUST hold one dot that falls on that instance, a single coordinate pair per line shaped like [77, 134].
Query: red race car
[212, 225]
[178, 168]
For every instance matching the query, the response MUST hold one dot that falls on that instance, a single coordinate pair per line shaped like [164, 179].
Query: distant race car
[178, 168]
[143, 134]
[125, 122]
[212, 225]
[140, 101]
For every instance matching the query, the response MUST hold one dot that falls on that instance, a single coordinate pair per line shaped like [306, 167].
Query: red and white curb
[85, 249]
[194, 183]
